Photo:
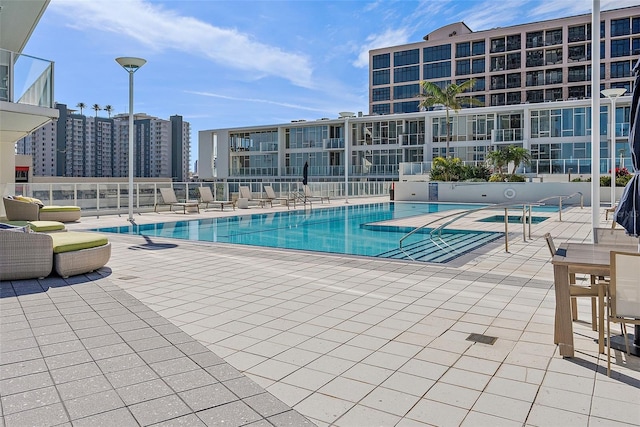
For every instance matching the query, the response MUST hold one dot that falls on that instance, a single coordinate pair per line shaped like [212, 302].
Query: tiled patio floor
[194, 333]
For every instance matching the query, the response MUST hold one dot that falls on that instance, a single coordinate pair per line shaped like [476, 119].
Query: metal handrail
[457, 215]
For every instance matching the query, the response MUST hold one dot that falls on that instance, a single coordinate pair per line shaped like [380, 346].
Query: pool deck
[193, 333]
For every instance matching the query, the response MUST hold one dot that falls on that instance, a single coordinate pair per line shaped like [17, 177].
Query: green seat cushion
[77, 240]
[40, 226]
[60, 208]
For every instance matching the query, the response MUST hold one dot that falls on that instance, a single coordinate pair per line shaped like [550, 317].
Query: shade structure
[627, 213]
[305, 173]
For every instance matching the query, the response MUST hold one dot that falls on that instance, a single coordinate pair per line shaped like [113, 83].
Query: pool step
[451, 246]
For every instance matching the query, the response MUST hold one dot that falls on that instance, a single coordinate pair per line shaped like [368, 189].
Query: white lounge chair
[310, 197]
[206, 197]
[169, 198]
[245, 193]
[282, 199]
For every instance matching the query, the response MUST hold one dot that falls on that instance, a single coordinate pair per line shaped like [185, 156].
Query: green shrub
[605, 181]
[496, 177]
[516, 178]
[621, 181]
[479, 173]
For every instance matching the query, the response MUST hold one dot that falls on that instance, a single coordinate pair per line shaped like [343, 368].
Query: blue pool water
[340, 229]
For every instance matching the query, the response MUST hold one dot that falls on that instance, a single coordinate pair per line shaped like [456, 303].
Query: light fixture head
[613, 93]
[131, 64]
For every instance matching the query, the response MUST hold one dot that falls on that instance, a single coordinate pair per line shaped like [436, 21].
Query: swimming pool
[348, 230]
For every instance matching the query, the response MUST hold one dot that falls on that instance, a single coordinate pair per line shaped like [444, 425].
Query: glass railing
[113, 198]
[25, 79]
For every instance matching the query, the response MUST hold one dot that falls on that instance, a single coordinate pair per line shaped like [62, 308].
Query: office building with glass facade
[534, 80]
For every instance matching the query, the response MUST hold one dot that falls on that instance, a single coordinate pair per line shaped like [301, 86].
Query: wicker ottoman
[25, 255]
[60, 213]
[76, 252]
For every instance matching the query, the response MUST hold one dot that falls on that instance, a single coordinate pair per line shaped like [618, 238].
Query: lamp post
[613, 94]
[131, 65]
[347, 141]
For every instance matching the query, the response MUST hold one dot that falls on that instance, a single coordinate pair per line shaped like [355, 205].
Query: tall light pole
[595, 117]
[131, 65]
[613, 94]
[347, 141]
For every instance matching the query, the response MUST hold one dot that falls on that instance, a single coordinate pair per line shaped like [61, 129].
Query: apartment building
[533, 79]
[537, 62]
[76, 145]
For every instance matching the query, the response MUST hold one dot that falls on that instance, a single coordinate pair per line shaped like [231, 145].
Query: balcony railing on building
[25, 79]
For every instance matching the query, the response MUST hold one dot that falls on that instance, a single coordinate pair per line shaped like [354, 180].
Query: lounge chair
[206, 197]
[245, 193]
[608, 211]
[282, 199]
[169, 198]
[310, 197]
[20, 208]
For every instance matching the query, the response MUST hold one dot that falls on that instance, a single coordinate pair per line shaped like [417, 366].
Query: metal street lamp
[347, 141]
[613, 94]
[131, 65]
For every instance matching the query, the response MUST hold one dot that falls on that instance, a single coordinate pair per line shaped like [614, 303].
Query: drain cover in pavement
[483, 339]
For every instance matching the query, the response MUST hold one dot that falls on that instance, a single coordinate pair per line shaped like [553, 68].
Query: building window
[553, 56]
[553, 76]
[381, 94]
[535, 58]
[497, 63]
[513, 61]
[463, 67]
[553, 37]
[406, 57]
[635, 46]
[406, 107]
[477, 48]
[514, 98]
[497, 45]
[463, 49]
[437, 53]
[381, 109]
[514, 42]
[535, 39]
[498, 99]
[535, 78]
[381, 77]
[635, 25]
[620, 27]
[620, 69]
[381, 61]
[498, 82]
[577, 74]
[578, 53]
[576, 92]
[480, 85]
[437, 70]
[620, 48]
[577, 34]
[553, 94]
[535, 96]
[514, 80]
[406, 74]
[406, 91]
[477, 66]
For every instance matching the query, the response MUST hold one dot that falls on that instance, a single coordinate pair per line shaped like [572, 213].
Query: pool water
[342, 229]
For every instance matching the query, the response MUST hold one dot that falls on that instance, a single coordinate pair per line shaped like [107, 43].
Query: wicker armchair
[25, 255]
[16, 210]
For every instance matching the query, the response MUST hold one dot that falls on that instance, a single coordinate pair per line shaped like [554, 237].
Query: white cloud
[257, 101]
[375, 41]
[162, 29]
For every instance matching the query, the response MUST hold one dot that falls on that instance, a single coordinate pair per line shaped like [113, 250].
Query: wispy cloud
[257, 101]
[375, 41]
[159, 28]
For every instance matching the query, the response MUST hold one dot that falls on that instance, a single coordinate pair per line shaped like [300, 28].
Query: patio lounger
[282, 199]
[245, 193]
[206, 197]
[310, 197]
[20, 208]
[169, 198]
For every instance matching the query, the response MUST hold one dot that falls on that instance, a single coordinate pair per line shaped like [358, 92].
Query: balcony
[26, 94]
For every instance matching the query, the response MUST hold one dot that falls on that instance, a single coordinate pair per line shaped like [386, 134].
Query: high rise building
[76, 145]
[534, 62]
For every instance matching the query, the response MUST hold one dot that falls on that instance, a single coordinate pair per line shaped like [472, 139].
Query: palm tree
[518, 155]
[96, 108]
[449, 97]
[108, 109]
[81, 106]
[498, 159]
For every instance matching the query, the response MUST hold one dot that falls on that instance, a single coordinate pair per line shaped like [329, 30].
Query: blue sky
[241, 63]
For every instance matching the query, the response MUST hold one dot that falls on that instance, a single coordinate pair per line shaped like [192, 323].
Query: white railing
[107, 198]
[25, 79]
